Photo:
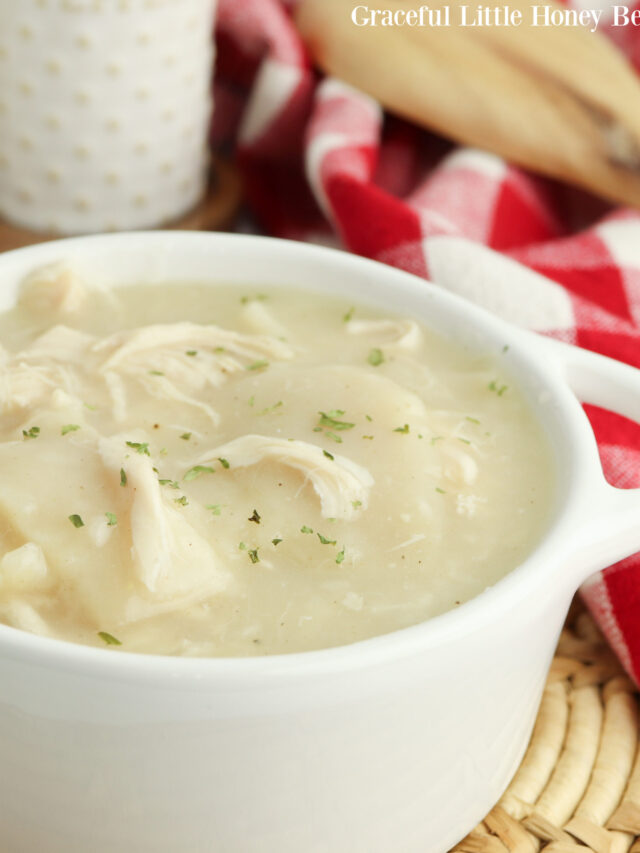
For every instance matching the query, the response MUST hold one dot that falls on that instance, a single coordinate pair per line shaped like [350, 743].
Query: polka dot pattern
[104, 111]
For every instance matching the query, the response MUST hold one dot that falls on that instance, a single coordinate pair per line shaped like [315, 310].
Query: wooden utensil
[557, 100]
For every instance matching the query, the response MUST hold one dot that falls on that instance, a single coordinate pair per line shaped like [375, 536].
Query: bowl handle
[612, 528]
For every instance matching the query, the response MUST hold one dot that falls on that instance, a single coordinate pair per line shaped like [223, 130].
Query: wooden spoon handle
[558, 100]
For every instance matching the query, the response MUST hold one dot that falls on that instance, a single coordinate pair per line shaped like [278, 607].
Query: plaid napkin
[321, 162]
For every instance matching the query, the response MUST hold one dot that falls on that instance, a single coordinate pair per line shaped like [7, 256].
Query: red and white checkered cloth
[322, 162]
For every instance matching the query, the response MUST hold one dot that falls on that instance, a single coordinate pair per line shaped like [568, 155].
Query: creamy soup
[196, 470]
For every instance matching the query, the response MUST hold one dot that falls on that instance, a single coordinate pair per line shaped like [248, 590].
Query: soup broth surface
[219, 471]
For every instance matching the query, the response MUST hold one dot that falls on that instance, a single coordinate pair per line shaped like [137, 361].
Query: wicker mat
[578, 787]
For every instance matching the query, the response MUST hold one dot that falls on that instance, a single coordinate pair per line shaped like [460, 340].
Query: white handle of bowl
[612, 518]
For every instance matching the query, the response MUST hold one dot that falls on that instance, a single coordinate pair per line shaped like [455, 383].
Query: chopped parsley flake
[173, 484]
[328, 455]
[259, 297]
[403, 429]
[440, 491]
[464, 440]
[472, 420]
[123, 477]
[369, 418]
[271, 409]
[252, 400]
[32, 432]
[69, 428]
[90, 407]
[368, 437]
[349, 315]
[325, 541]
[356, 504]
[76, 520]
[139, 447]
[499, 389]
[216, 509]
[253, 555]
[109, 639]
[242, 546]
[191, 352]
[255, 517]
[181, 500]
[340, 557]
[276, 541]
[156, 373]
[258, 365]
[505, 348]
[333, 437]
[329, 419]
[223, 462]
[376, 357]
[196, 471]
[111, 519]
[305, 529]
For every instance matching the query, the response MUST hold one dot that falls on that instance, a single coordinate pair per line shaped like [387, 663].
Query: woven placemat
[578, 787]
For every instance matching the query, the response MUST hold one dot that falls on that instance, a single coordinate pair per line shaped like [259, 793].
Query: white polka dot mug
[104, 111]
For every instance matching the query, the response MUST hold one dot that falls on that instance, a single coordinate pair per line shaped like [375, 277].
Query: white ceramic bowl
[398, 743]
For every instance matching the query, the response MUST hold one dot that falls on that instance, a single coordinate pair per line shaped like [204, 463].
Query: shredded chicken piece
[176, 361]
[60, 344]
[53, 289]
[260, 319]
[338, 482]
[401, 333]
[24, 385]
[224, 350]
[173, 362]
[20, 614]
[170, 557]
[30, 376]
[24, 569]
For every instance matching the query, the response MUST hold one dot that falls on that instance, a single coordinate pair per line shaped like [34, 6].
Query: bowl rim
[537, 569]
